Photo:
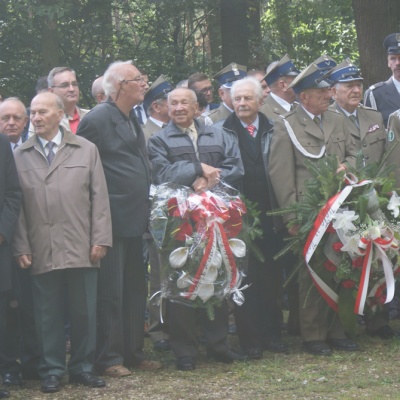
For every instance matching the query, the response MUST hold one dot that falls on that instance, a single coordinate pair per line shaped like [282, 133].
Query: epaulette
[376, 85]
[363, 107]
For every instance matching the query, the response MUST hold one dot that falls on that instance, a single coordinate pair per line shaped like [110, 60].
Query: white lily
[238, 247]
[178, 257]
[375, 231]
[351, 245]
[211, 274]
[394, 205]
[183, 281]
[205, 291]
[343, 220]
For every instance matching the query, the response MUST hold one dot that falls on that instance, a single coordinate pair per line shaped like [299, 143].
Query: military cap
[157, 90]
[325, 62]
[392, 43]
[345, 72]
[311, 77]
[231, 73]
[283, 67]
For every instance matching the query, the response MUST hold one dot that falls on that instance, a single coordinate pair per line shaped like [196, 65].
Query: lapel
[328, 125]
[123, 131]
[350, 124]
[310, 127]
[391, 93]
[276, 107]
[364, 123]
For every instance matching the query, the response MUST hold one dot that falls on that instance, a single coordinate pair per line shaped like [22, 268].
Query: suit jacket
[219, 114]
[383, 97]
[149, 129]
[126, 166]
[272, 109]
[371, 137]
[286, 163]
[65, 209]
[10, 202]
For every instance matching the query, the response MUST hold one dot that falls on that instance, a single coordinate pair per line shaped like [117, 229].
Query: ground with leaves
[372, 373]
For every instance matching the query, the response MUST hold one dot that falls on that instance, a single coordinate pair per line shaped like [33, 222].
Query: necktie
[193, 138]
[354, 120]
[138, 110]
[251, 129]
[318, 121]
[50, 154]
[15, 146]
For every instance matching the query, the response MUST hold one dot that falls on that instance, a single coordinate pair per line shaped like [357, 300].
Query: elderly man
[258, 319]
[13, 118]
[113, 127]
[188, 154]
[62, 81]
[385, 96]
[10, 201]
[98, 91]
[368, 131]
[314, 126]
[280, 75]
[225, 78]
[63, 232]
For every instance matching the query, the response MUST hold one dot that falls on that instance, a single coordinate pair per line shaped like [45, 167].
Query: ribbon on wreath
[320, 226]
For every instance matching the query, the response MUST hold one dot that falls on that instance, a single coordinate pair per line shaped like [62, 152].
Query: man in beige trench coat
[63, 232]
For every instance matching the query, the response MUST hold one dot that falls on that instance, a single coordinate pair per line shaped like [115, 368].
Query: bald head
[47, 112]
[13, 118]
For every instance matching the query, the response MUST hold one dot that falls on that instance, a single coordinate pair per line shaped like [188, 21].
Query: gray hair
[160, 100]
[245, 81]
[113, 76]
[55, 71]
[15, 100]
[191, 92]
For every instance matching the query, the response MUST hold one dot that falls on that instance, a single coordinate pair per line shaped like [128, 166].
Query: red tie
[251, 129]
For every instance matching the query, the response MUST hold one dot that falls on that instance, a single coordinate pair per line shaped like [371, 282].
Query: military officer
[385, 96]
[225, 78]
[280, 75]
[309, 132]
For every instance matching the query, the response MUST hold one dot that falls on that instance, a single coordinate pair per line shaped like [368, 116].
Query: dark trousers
[258, 318]
[121, 305]
[184, 333]
[49, 289]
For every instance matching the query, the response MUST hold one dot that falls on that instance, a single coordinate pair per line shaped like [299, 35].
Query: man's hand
[200, 185]
[24, 261]
[97, 253]
[211, 174]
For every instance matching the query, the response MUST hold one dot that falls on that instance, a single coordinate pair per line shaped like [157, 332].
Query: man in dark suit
[13, 119]
[113, 127]
[10, 201]
[385, 96]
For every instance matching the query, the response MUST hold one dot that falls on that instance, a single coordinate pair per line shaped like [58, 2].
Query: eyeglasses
[206, 90]
[137, 79]
[66, 85]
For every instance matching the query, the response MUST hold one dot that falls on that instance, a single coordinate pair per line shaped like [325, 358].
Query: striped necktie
[251, 129]
[50, 154]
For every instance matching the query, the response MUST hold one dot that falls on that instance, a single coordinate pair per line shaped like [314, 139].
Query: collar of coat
[172, 129]
[233, 123]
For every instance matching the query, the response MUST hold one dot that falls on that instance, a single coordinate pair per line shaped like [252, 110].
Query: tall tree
[374, 21]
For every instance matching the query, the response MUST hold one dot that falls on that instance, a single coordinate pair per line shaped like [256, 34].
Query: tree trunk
[374, 21]
[234, 32]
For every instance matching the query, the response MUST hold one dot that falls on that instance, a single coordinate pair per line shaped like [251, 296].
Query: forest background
[179, 37]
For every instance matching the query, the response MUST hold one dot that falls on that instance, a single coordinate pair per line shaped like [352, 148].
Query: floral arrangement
[348, 237]
[203, 243]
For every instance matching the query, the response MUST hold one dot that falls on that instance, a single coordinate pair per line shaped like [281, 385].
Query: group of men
[74, 207]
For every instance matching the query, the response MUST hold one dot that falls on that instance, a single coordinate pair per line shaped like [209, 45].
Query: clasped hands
[209, 179]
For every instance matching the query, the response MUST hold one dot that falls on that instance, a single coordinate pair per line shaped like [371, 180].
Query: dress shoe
[149, 365]
[162, 345]
[317, 347]
[384, 332]
[12, 378]
[87, 379]
[116, 371]
[50, 384]
[185, 363]
[254, 353]
[4, 394]
[276, 347]
[226, 356]
[343, 344]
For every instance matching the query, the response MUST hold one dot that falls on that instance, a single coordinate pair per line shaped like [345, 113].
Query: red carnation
[348, 284]
[358, 262]
[330, 266]
[337, 246]
[184, 230]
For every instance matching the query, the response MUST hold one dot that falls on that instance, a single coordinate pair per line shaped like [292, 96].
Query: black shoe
[51, 384]
[384, 332]
[162, 345]
[344, 344]
[254, 354]
[12, 378]
[317, 347]
[186, 363]
[276, 347]
[87, 379]
[4, 394]
[226, 356]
